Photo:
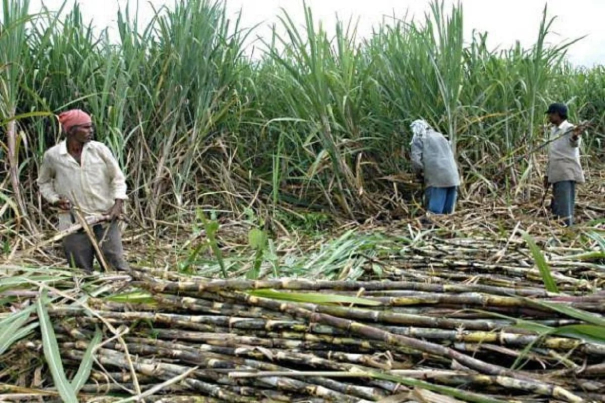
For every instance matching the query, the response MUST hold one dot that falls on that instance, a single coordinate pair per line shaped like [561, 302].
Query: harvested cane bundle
[442, 320]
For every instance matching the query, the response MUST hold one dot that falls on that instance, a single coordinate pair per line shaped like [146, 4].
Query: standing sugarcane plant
[535, 68]
[312, 123]
[323, 83]
[15, 17]
[446, 46]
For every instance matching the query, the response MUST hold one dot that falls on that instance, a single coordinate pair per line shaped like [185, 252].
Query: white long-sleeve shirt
[93, 186]
[564, 156]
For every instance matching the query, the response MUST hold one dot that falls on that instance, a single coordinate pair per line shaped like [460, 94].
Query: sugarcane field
[196, 206]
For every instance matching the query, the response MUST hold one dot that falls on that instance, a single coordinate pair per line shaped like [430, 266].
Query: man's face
[554, 118]
[83, 133]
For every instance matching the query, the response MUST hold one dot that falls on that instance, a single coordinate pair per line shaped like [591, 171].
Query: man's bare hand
[577, 132]
[116, 211]
[63, 204]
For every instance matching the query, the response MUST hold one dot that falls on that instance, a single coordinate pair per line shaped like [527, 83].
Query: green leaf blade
[549, 281]
[87, 361]
[52, 355]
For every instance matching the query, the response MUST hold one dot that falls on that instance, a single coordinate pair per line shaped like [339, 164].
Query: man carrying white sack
[432, 158]
[82, 173]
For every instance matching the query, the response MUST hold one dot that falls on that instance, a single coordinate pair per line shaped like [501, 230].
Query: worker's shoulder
[55, 150]
[435, 135]
[97, 145]
[566, 125]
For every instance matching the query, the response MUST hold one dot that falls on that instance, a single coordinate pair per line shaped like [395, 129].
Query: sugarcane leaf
[24, 116]
[12, 324]
[211, 227]
[520, 323]
[569, 311]
[598, 239]
[11, 338]
[377, 269]
[87, 361]
[313, 298]
[545, 272]
[10, 202]
[15, 316]
[534, 327]
[51, 353]
[526, 351]
[590, 333]
[257, 238]
[15, 281]
[254, 272]
[595, 223]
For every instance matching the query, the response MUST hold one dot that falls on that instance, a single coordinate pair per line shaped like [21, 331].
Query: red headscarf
[74, 117]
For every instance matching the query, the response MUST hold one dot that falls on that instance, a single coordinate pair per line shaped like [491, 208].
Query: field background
[273, 227]
[312, 123]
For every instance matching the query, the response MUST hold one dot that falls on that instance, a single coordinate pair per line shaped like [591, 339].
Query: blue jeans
[564, 198]
[441, 200]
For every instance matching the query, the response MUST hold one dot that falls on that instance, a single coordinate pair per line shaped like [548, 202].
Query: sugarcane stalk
[218, 324]
[103, 389]
[506, 382]
[162, 286]
[395, 340]
[185, 399]
[393, 317]
[118, 377]
[161, 371]
[214, 361]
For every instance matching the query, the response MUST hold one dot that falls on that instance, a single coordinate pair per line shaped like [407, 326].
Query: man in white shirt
[564, 167]
[82, 173]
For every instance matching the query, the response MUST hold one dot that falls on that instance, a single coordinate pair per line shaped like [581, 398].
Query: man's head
[77, 125]
[557, 113]
[420, 128]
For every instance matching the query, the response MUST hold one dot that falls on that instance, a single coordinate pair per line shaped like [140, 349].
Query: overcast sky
[506, 21]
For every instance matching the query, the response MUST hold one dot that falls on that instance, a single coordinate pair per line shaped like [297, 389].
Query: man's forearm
[49, 194]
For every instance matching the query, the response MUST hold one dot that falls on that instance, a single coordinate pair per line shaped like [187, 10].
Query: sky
[505, 21]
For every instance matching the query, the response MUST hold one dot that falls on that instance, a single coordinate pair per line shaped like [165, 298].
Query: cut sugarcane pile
[362, 341]
[438, 319]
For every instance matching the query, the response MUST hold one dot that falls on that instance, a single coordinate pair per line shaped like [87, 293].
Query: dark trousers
[564, 199]
[80, 252]
[441, 200]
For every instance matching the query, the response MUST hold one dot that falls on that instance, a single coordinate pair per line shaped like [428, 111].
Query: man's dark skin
[77, 137]
[556, 119]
